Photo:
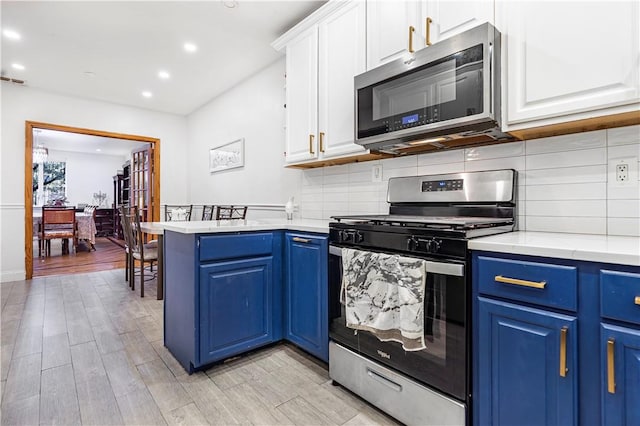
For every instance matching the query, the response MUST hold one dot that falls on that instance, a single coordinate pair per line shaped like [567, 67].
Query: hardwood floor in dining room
[107, 255]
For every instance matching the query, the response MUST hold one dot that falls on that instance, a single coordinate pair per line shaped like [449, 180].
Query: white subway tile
[311, 214]
[335, 188]
[574, 208]
[454, 156]
[364, 187]
[336, 179]
[576, 141]
[364, 196]
[582, 174]
[521, 223]
[400, 162]
[319, 171]
[329, 197]
[391, 173]
[517, 163]
[574, 225]
[364, 166]
[360, 177]
[621, 151]
[335, 207]
[363, 208]
[571, 191]
[512, 149]
[311, 190]
[628, 227]
[311, 180]
[623, 135]
[585, 157]
[623, 208]
[435, 169]
[342, 169]
[615, 192]
[383, 207]
[311, 197]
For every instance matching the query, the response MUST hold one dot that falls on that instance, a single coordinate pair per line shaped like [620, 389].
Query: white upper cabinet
[302, 96]
[342, 41]
[389, 24]
[323, 57]
[569, 60]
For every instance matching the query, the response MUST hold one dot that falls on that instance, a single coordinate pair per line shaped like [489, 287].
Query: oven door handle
[442, 268]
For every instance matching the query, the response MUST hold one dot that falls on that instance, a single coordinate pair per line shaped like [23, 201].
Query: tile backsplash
[565, 183]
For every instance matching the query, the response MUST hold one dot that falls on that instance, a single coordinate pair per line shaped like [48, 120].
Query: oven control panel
[423, 245]
[350, 236]
[442, 185]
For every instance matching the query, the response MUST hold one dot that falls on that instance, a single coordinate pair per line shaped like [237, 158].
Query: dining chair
[231, 212]
[137, 250]
[57, 222]
[207, 212]
[174, 213]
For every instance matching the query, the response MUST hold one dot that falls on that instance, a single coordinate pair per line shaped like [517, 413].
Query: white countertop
[238, 225]
[593, 248]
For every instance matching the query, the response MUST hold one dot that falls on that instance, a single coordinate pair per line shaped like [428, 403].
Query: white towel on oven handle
[384, 294]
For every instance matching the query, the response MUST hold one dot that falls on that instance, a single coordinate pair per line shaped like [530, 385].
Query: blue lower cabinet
[235, 307]
[527, 366]
[620, 375]
[306, 293]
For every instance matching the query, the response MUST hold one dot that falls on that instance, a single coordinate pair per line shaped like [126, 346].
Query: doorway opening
[147, 199]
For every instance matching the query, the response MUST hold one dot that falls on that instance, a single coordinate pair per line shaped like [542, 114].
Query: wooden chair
[57, 222]
[231, 212]
[177, 213]
[207, 212]
[137, 250]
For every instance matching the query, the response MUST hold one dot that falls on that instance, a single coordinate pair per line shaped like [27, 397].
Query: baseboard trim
[8, 276]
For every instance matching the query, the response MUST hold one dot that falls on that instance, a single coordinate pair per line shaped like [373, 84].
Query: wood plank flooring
[84, 349]
[107, 255]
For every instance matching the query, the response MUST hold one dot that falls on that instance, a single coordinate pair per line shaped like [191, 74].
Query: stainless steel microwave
[448, 91]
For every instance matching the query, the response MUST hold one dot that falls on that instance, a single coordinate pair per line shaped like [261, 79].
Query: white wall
[253, 110]
[21, 103]
[87, 174]
[565, 183]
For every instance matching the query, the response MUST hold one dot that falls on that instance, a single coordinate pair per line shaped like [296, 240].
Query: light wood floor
[84, 349]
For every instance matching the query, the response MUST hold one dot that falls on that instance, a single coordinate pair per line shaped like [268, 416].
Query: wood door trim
[28, 175]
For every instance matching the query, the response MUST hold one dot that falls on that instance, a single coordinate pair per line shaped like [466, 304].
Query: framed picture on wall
[227, 156]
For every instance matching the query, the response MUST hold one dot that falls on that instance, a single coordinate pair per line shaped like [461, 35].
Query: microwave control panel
[412, 119]
[442, 185]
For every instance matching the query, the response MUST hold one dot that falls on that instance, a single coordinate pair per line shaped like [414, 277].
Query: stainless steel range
[400, 288]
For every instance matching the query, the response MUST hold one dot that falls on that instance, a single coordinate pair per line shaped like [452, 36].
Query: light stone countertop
[592, 248]
[237, 225]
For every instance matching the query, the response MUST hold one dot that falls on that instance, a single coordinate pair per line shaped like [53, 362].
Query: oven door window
[446, 89]
[442, 364]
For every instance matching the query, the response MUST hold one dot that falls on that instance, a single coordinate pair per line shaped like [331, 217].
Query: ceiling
[113, 50]
[76, 142]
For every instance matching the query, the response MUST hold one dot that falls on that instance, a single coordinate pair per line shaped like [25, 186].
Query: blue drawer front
[560, 282]
[216, 247]
[619, 291]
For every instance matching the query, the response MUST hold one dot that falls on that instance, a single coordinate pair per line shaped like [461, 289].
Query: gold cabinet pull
[311, 144]
[301, 240]
[563, 351]
[637, 300]
[411, 31]
[321, 141]
[611, 377]
[515, 281]
[428, 32]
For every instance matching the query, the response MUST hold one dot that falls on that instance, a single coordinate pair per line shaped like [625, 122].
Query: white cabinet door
[451, 17]
[566, 57]
[388, 25]
[341, 57]
[302, 97]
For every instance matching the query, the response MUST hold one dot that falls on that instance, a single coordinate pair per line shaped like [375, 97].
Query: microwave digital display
[410, 119]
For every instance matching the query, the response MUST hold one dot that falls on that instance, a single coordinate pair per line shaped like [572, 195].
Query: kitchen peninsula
[235, 285]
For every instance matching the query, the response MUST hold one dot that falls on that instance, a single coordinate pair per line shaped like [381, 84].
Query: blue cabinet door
[306, 293]
[520, 354]
[235, 307]
[620, 377]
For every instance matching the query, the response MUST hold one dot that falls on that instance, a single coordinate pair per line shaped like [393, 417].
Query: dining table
[156, 229]
[85, 223]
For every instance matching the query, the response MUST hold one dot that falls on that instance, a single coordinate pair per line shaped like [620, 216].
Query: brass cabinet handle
[563, 351]
[321, 141]
[428, 26]
[301, 240]
[611, 378]
[515, 281]
[637, 300]
[411, 31]
[311, 144]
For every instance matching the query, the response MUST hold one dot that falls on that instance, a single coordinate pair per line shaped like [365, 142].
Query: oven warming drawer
[404, 399]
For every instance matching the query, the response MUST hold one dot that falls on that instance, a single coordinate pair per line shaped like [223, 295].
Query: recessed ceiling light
[147, 94]
[18, 67]
[190, 47]
[163, 75]
[230, 3]
[89, 74]
[98, 149]
[13, 35]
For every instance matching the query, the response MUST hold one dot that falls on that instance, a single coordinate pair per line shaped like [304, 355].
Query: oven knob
[412, 244]
[358, 237]
[344, 236]
[434, 246]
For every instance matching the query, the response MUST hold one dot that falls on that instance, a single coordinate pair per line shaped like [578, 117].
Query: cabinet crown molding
[332, 5]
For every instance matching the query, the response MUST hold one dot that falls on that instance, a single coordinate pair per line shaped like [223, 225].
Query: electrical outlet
[623, 172]
[376, 173]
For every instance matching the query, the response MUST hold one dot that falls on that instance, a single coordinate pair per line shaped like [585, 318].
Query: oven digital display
[442, 185]
[410, 119]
